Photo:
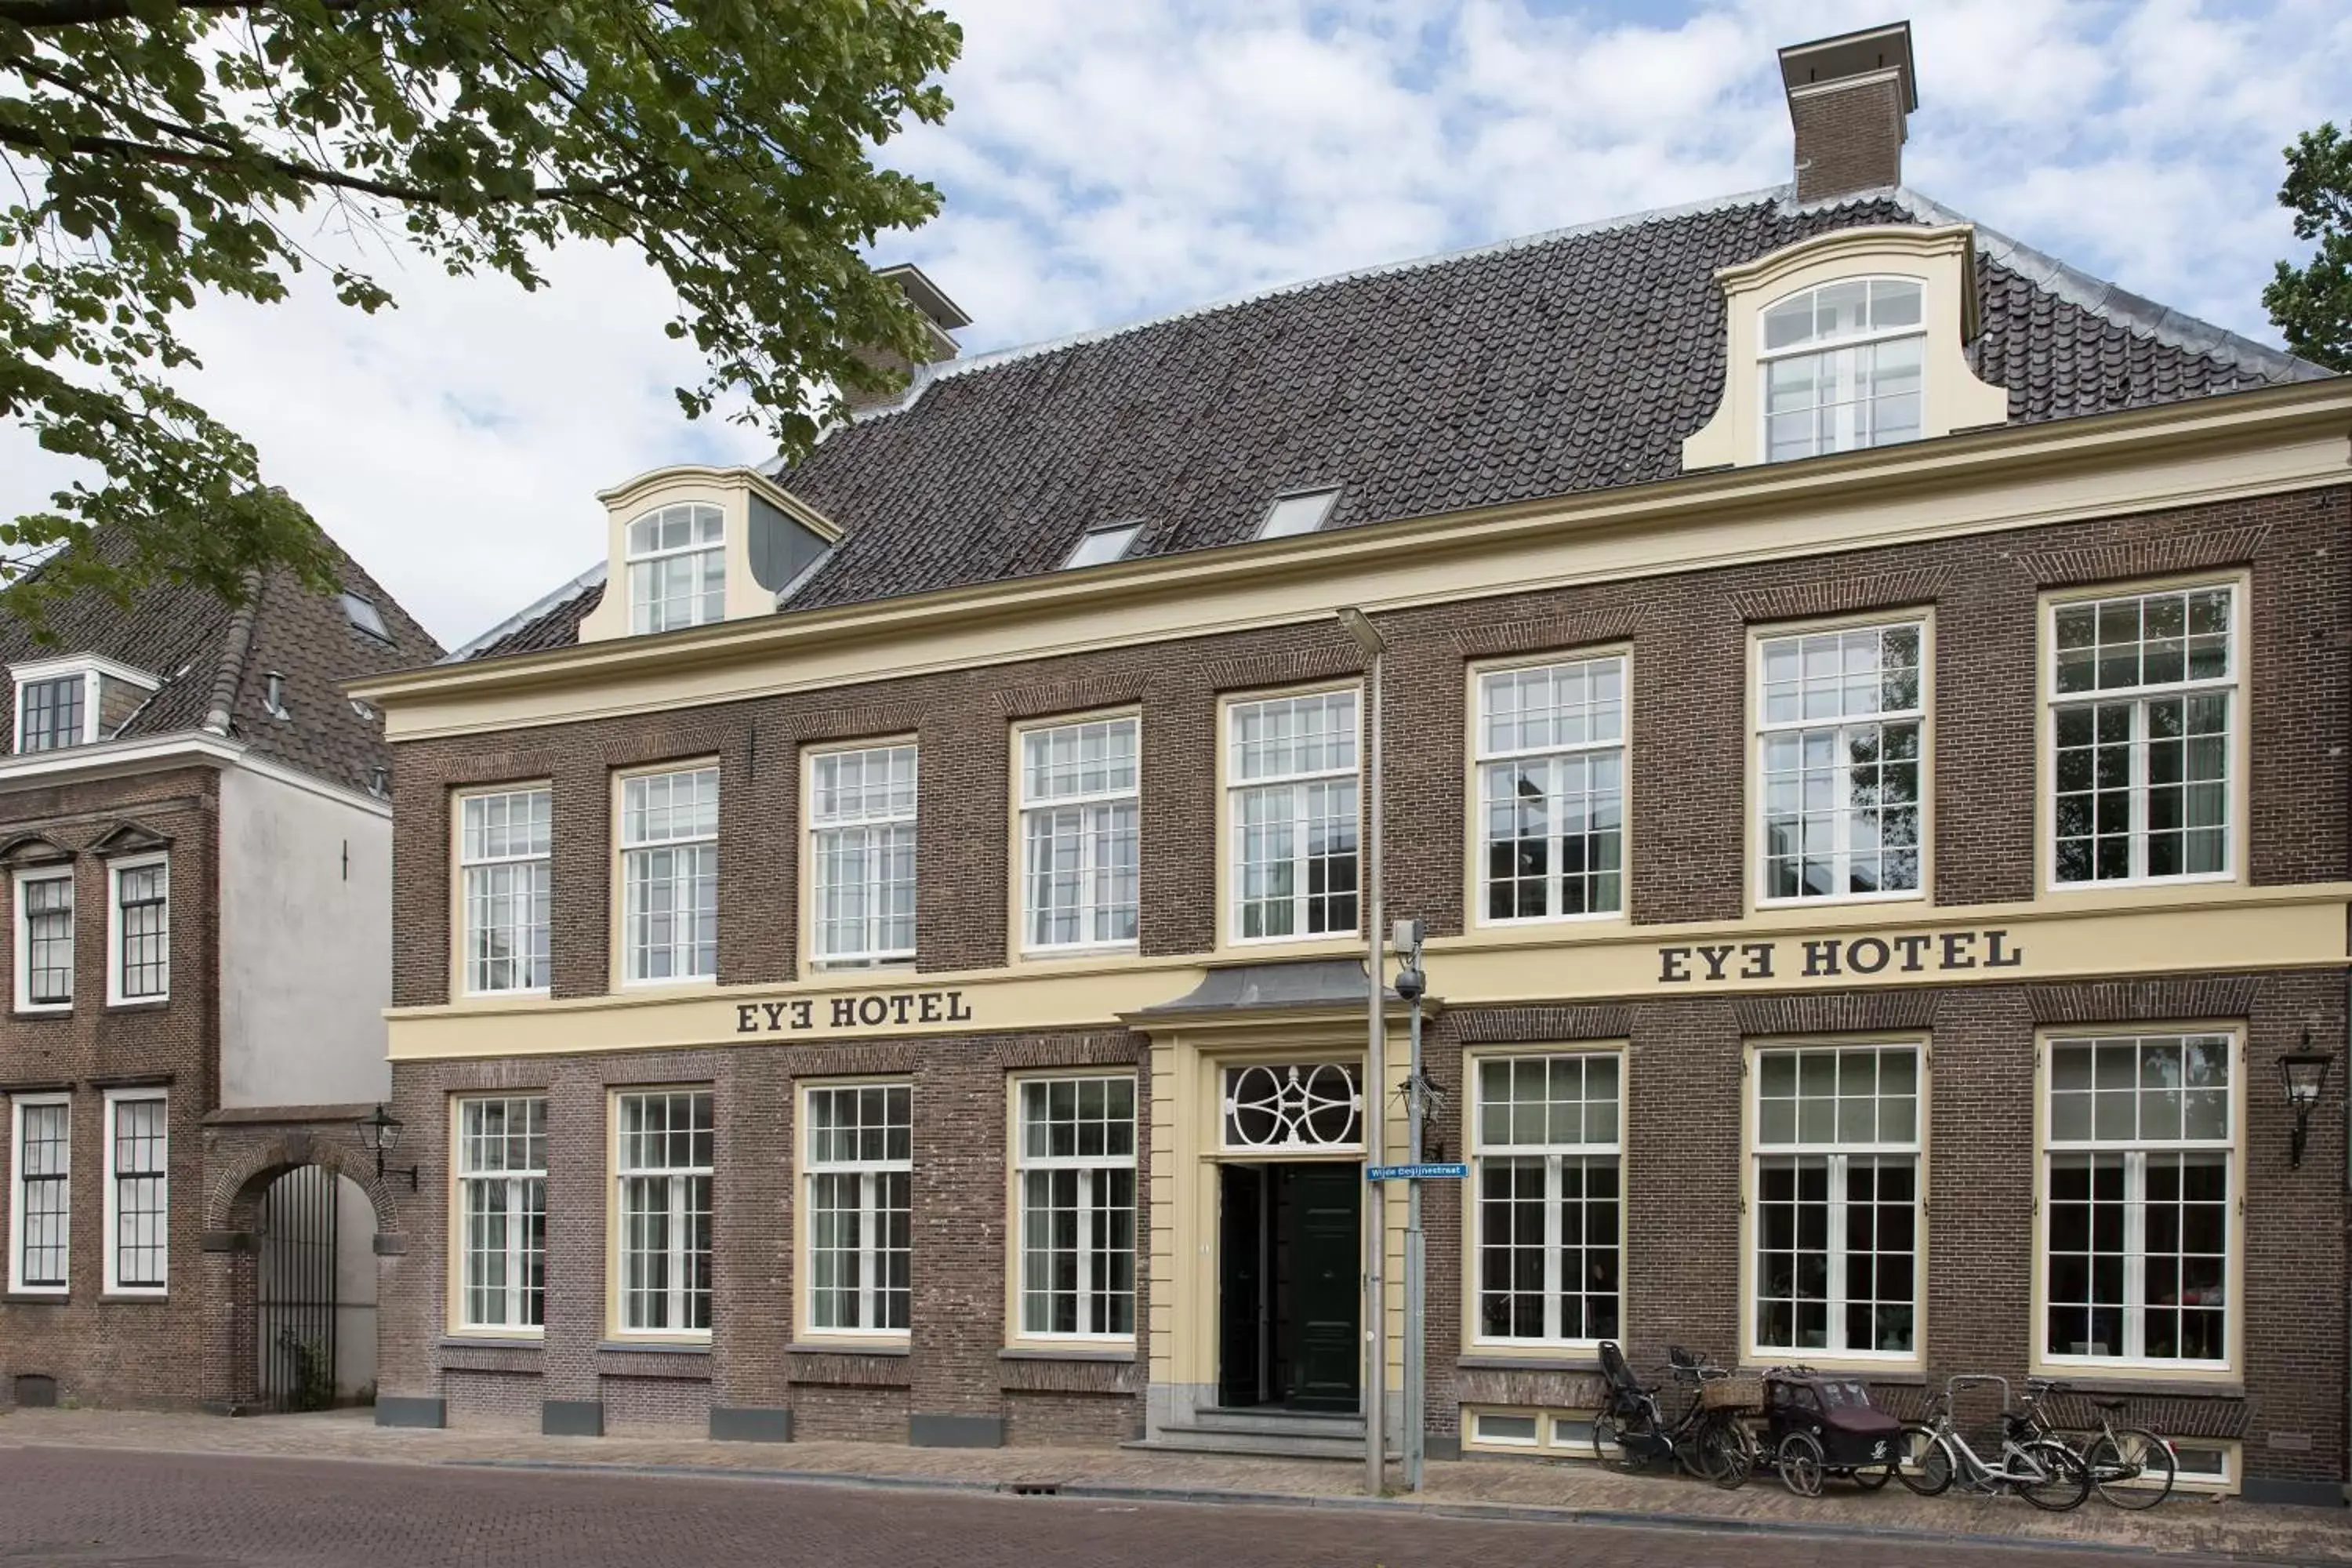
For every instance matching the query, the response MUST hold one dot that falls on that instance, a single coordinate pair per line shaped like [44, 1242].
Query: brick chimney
[942, 313]
[1848, 98]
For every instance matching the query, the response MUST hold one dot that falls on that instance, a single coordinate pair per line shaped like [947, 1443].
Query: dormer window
[1100, 546]
[49, 713]
[1842, 367]
[677, 568]
[75, 702]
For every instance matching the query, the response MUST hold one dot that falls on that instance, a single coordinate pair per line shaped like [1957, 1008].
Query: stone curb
[1518, 1513]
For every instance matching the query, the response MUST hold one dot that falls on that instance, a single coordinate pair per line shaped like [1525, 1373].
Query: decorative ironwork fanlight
[1294, 1106]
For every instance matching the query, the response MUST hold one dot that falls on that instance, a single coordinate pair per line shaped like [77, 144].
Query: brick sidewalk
[2184, 1524]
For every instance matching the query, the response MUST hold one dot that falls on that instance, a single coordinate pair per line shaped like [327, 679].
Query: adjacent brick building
[196, 827]
[1864, 727]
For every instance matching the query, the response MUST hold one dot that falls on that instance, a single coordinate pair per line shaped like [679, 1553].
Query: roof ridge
[234, 645]
[531, 612]
[948, 368]
[2132, 312]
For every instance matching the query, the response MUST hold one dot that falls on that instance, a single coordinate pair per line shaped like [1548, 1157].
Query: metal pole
[1416, 1282]
[1375, 1101]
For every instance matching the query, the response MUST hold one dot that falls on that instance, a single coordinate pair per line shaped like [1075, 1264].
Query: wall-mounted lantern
[2305, 1075]
[381, 1132]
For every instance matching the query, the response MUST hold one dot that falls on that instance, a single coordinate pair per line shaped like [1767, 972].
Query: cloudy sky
[1109, 160]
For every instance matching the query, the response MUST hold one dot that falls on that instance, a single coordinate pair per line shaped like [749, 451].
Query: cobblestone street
[183, 1511]
[190, 1491]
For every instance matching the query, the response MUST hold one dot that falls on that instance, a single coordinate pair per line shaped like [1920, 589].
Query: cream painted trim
[2204, 449]
[2143, 930]
[453, 1273]
[2234, 1279]
[805, 859]
[1474, 848]
[1146, 1216]
[615, 871]
[1752, 795]
[1940, 259]
[614, 1317]
[1874, 1362]
[1572, 1353]
[458, 798]
[109, 759]
[1228, 945]
[1016, 931]
[849, 1340]
[2241, 583]
[1546, 1443]
[1187, 1120]
[2232, 1479]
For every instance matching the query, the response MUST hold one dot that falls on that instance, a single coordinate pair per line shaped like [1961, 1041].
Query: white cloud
[1107, 160]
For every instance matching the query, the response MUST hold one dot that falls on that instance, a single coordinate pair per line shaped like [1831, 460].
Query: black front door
[1290, 1243]
[1322, 1246]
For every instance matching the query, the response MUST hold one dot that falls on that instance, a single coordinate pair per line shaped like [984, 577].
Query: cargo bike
[1819, 1425]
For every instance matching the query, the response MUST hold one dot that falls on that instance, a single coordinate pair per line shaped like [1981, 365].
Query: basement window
[1301, 513]
[1100, 546]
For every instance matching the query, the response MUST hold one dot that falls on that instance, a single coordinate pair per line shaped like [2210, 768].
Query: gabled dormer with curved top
[1851, 339]
[691, 545]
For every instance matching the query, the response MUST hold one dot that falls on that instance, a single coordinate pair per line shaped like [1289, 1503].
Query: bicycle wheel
[1727, 1452]
[2064, 1480]
[1926, 1465]
[2133, 1467]
[1801, 1462]
[1612, 1444]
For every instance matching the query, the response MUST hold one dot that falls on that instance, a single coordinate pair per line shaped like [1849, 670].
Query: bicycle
[1706, 1439]
[2132, 1467]
[2042, 1470]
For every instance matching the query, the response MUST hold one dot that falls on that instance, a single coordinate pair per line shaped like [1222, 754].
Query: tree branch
[37, 15]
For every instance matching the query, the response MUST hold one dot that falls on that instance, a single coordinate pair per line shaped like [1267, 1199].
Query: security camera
[1411, 985]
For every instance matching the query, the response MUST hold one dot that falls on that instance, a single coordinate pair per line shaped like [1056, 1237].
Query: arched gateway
[295, 1223]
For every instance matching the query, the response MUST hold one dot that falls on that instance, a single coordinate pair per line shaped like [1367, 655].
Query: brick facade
[1686, 839]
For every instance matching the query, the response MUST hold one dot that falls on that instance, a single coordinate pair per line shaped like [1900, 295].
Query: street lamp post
[1376, 1361]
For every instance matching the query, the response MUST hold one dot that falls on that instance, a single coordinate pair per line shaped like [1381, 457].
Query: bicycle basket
[1741, 1391]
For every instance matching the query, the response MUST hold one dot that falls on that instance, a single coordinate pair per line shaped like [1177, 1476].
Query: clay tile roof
[1561, 364]
[214, 660]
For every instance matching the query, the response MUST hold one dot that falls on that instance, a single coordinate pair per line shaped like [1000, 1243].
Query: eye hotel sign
[865, 1009]
[1838, 957]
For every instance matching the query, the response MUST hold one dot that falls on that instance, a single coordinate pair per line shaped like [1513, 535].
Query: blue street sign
[1414, 1173]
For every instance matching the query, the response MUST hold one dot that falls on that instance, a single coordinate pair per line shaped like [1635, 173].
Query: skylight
[1107, 543]
[363, 614]
[1302, 513]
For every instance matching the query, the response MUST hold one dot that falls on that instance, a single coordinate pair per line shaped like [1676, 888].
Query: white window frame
[116, 1099]
[1487, 758]
[1842, 819]
[867, 1172]
[62, 872]
[878, 827]
[635, 958]
[1766, 357]
[116, 971]
[469, 957]
[18, 1105]
[2135, 1151]
[517, 1181]
[1285, 509]
[1554, 1155]
[90, 667]
[640, 607]
[1091, 1203]
[2233, 738]
[1235, 788]
[1838, 1152]
[1090, 549]
[678, 1203]
[1089, 806]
